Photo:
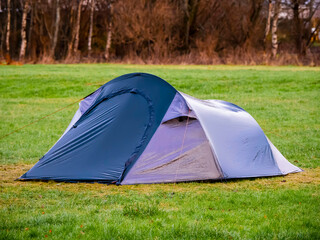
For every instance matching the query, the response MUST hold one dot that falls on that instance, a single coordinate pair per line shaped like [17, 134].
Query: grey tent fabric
[178, 151]
[178, 108]
[284, 165]
[138, 129]
[241, 147]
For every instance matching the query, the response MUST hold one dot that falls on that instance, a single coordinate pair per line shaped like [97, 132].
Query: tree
[267, 30]
[8, 27]
[274, 29]
[159, 31]
[312, 7]
[90, 27]
[24, 31]
[56, 30]
[249, 22]
[303, 11]
[190, 9]
[109, 30]
[76, 42]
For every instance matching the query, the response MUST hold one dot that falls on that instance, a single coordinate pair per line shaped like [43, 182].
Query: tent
[139, 129]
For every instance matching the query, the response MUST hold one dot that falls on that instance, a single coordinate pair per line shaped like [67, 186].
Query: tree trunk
[91, 26]
[309, 31]
[76, 42]
[8, 28]
[267, 30]
[190, 9]
[13, 40]
[275, 28]
[251, 21]
[32, 44]
[56, 31]
[70, 43]
[109, 31]
[297, 26]
[24, 31]
[3, 36]
[31, 25]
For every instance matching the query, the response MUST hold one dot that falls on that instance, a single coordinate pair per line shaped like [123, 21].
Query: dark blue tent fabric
[113, 132]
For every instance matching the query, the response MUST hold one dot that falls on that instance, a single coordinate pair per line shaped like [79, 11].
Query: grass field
[284, 100]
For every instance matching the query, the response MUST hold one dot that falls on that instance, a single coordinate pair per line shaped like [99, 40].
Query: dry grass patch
[9, 174]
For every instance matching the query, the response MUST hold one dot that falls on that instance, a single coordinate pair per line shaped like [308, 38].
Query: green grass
[284, 101]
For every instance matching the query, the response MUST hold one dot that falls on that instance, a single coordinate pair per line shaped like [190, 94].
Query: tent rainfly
[138, 129]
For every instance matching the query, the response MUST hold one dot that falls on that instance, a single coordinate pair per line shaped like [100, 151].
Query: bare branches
[203, 31]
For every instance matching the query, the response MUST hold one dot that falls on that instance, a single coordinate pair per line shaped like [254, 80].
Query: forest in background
[160, 31]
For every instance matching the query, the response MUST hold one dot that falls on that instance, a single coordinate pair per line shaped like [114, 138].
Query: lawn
[284, 100]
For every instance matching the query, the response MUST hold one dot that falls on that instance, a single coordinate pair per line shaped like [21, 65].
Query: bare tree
[76, 42]
[75, 29]
[250, 20]
[312, 7]
[31, 23]
[24, 31]
[160, 31]
[14, 35]
[56, 30]
[91, 27]
[303, 11]
[109, 30]
[275, 28]
[71, 21]
[267, 30]
[297, 24]
[190, 9]
[8, 27]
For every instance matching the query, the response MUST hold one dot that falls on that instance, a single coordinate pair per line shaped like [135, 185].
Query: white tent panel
[284, 165]
[239, 143]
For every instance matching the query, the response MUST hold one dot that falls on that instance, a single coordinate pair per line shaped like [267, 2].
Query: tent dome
[137, 129]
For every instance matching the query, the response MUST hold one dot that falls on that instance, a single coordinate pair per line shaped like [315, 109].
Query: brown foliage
[161, 31]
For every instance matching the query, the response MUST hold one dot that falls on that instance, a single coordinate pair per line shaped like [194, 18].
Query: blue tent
[137, 128]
